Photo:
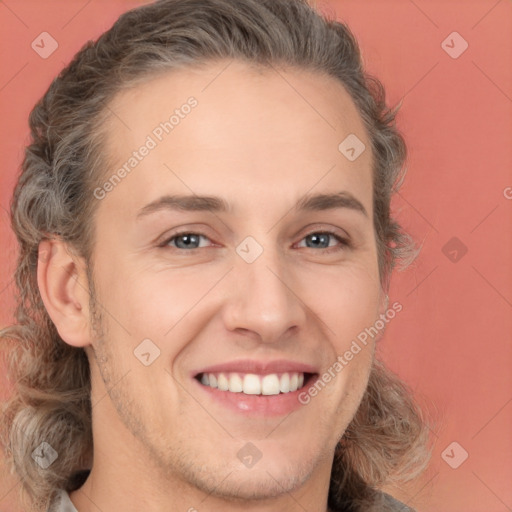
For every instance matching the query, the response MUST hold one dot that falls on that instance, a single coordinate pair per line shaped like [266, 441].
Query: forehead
[238, 87]
[228, 122]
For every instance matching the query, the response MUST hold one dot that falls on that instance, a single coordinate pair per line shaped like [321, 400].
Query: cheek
[153, 312]
[353, 309]
[149, 303]
[348, 307]
[356, 381]
[347, 300]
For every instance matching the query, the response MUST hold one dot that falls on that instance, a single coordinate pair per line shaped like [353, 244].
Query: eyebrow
[195, 203]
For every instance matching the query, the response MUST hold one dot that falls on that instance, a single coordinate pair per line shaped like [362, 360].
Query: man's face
[257, 292]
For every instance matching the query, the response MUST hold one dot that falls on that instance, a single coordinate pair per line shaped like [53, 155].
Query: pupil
[187, 240]
[322, 238]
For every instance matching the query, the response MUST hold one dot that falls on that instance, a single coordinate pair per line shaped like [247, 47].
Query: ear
[63, 286]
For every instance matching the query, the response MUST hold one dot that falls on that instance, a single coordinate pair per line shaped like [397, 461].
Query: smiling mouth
[254, 384]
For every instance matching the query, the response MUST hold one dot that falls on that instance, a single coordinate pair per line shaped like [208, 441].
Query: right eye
[185, 240]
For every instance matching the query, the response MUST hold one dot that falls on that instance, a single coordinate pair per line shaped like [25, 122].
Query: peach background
[451, 342]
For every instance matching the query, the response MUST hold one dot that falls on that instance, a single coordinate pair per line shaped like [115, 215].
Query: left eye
[322, 240]
[317, 240]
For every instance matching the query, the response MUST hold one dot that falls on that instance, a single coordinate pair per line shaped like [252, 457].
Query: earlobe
[63, 286]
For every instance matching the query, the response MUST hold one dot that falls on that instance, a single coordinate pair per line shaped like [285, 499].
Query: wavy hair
[53, 197]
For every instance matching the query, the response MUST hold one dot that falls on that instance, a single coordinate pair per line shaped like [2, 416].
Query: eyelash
[344, 243]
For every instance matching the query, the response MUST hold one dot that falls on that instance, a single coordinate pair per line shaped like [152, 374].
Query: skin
[160, 443]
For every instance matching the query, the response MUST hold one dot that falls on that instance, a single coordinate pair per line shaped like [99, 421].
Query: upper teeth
[252, 384]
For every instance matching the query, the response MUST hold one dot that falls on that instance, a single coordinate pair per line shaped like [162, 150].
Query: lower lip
[260, 405]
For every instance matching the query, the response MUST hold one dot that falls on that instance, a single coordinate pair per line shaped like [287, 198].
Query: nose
[265, 300]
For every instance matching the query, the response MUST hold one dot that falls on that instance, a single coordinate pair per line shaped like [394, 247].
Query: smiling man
[205, 238]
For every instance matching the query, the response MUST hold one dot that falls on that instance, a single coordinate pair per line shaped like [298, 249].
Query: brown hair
[54, 197]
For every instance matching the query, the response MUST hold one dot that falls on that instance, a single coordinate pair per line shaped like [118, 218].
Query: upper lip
[257, 367]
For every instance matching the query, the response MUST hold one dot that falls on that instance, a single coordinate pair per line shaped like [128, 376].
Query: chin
[261, 484]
